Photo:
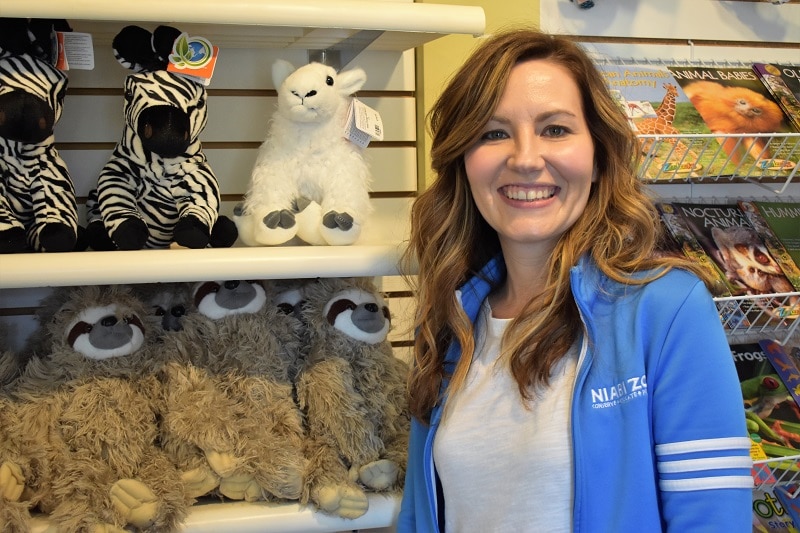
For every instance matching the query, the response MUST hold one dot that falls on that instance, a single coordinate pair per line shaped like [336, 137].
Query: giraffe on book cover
[661, 124]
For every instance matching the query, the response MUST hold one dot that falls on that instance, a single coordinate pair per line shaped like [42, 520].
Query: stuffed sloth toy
[91, 406]
[15, 466]
[38, 210]
[308, 180]
[157, 188]
[352, 391]
[167, 302]
[230, 402]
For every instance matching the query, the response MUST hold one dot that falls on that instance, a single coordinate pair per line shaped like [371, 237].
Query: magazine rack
[777, 472]
[698, 157]
[768, 315]
[681, 151]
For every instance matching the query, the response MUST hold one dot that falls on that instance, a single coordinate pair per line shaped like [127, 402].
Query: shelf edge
[147, 266]
[355, 14]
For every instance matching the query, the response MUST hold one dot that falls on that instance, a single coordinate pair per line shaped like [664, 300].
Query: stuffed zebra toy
[157, 187]
[38, 210]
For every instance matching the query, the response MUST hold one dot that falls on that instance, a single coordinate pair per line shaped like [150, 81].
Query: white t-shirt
[505, 466]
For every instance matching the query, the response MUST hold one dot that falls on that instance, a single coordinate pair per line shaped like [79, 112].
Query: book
[762, 392]
[731, 242]
[775, 246]
[773, 418]
[683, 239]
[786, 363]
[770, 513]
[654, 103]
[783, 83]
[784, 220]
[733, 100]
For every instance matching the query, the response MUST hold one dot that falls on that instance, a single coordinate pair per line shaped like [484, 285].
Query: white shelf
[243, 517]
[144, 266]
[311, 24]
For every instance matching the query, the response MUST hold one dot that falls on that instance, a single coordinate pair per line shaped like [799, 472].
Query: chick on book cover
[725, 234]
[783, 83]
[733, 100]
[655, 104]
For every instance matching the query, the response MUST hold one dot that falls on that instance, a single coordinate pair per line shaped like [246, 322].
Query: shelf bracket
[342, 53]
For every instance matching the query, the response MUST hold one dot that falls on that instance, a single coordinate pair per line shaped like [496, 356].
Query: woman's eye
[555, 131]
[494, 135]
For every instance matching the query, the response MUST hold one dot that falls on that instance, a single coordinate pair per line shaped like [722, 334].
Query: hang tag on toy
[74, 51]
[363, 124]
[193, 57]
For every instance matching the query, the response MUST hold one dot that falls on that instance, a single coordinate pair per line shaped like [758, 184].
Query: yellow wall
[437, 60]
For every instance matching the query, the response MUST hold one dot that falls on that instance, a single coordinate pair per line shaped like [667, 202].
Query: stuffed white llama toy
[308, 181]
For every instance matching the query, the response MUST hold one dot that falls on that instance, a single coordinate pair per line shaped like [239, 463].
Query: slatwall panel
[241, 100]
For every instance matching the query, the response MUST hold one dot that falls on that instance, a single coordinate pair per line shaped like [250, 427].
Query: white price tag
[363, 124]
[75, 51]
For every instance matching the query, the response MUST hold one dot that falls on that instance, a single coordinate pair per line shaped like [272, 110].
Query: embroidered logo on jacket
[622, 392]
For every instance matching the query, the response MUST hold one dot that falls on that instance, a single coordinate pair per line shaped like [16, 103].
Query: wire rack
[769, 160]
[774, 316]
[777, 472]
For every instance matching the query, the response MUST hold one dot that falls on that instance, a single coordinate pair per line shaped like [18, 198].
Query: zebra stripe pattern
[36, 190]
[139, 183]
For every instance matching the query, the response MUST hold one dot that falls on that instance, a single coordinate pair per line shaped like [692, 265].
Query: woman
[566, 376]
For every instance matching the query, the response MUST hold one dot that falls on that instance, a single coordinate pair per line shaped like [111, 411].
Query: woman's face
[532, 166]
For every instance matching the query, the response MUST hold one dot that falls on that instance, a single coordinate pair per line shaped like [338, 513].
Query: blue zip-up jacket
[658, 427]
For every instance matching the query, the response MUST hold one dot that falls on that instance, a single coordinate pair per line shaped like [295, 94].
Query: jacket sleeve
[414, 493]
[701, 443]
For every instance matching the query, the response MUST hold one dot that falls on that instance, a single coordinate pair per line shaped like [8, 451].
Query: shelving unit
[246, 30]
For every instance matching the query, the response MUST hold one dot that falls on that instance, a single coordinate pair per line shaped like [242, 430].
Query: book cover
[773, 243]
[773, 417]
[762, 394]
[783, 83]
[682, 239]
[733, 100]
[770, 514]
[728, 238]
[784, 220]
[655, 104]
[786, 363]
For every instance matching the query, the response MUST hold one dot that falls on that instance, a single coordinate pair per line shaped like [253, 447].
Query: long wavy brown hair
[450, 241]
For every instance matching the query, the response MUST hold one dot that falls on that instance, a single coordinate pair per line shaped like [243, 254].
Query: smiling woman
[550, 334]
[532, 166]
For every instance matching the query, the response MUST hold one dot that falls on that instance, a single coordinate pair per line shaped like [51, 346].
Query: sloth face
[103, 332]
[217, 300]
[362, 315]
